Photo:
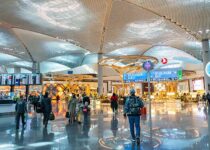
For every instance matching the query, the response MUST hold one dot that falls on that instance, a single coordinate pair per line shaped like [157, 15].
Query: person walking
[208, 98]
[46, 108]
[21, 109]
[132, 108]
[114, 103]
[72, 108]
[204, 98]
[86, 99]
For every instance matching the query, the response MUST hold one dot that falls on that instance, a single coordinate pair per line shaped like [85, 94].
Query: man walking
[132, 108]
[20, 109]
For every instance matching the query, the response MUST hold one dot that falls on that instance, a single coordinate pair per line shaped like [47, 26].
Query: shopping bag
[52, 116]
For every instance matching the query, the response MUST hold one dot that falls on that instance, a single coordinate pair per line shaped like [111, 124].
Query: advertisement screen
[198, 85]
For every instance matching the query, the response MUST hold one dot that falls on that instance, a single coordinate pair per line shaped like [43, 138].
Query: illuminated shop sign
[20, 79]
[155, 75]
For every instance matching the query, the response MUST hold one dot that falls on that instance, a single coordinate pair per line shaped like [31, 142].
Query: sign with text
[155, 75]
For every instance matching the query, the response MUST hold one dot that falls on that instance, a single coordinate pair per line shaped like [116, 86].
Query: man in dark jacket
[86, 99]
[132, 108]
[20, 109]
[46, 108]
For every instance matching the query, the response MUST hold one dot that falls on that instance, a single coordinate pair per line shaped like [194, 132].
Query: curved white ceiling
[71, 32]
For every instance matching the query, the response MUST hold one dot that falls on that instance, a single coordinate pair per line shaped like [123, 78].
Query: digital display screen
[6, 79]
[34, 79]
[198, 85]
[20, 79]
[156, 75]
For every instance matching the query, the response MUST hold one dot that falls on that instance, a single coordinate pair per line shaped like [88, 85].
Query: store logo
[164, 61]
[207, 69]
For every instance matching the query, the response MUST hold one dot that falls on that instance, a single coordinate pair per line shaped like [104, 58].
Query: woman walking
[114, 103]
[46, 108]
[72, 108]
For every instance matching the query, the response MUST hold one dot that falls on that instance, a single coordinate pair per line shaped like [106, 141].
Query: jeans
[18, 116]
[134, 121]
[46, 118]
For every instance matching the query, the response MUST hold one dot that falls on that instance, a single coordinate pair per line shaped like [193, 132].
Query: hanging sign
[148, 65]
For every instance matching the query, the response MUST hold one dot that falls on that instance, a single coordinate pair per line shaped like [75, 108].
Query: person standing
[208, 98]
[86, 99]
[114, 103]
[132, 108]
[20, 109]
[72, 108]
[204, 98]
[46, 108]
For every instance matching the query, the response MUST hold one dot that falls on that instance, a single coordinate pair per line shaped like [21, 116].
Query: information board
[155, 75]
[34, 79]
[20, 79]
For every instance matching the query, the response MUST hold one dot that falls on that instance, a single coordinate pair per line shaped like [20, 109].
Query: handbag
[67, 114]
[52, 116]
[39, 108]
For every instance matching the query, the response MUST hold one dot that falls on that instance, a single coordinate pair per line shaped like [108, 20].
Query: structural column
[100, 76]
[206, 59]
[36, 67]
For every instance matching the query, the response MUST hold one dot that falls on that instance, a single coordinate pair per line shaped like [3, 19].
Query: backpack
[135, 104]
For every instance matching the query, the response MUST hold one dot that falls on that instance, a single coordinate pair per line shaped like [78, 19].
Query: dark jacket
[21, 106]
[46, 105]
[86, 99]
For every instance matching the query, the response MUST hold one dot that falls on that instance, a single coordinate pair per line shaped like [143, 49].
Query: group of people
[206, 98]
[21, 108]
[76, 106]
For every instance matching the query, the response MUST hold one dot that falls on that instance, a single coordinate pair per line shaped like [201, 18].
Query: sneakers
[133, 140]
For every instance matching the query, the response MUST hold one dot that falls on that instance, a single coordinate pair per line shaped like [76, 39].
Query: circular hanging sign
[148, 65]
[207, 69]
[164, 60]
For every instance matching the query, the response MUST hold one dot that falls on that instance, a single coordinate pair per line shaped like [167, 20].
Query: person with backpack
[20, 109]
[132, 109]
[114, 103]
[46, 108]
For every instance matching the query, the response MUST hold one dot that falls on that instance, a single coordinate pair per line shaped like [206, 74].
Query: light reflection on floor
[175, 126]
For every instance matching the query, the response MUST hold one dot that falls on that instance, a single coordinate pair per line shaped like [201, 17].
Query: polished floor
[175, 126]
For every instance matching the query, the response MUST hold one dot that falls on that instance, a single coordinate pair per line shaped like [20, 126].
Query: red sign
[164, 60]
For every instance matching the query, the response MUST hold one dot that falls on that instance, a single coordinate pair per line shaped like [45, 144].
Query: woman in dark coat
[46, 108]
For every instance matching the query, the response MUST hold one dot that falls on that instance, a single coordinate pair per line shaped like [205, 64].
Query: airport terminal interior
[72, 70]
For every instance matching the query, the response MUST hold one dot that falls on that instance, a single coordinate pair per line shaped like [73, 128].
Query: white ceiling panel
[43, 47]
[10, 44]
[78, 21]
[5, 59]
[194, 15]
[138, 27]
[46, 67]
